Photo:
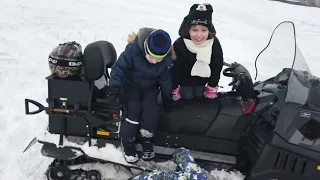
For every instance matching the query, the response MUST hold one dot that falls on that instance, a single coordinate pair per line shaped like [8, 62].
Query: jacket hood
[141, 36]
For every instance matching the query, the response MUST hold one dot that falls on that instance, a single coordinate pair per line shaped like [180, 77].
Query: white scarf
[201, 67]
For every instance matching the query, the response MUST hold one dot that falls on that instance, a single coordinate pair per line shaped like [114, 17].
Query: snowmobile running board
[204, 159]
[100, 160]
[205, 156]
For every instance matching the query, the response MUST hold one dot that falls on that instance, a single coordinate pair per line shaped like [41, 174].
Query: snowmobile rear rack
[82, 114]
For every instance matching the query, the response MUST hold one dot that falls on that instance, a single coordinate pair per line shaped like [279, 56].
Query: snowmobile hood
[298, 121]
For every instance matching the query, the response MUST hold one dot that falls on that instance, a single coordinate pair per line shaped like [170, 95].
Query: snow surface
[29, 29]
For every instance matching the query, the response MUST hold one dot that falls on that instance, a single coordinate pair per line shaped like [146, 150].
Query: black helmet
[66, 60]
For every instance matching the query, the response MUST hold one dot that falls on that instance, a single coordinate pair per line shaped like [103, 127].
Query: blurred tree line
[313, 3]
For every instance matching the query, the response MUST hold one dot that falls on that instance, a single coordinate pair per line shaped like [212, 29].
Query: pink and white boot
[176, 94]
[211, 92]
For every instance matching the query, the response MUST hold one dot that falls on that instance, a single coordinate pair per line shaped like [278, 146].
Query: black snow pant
[191, 92]
[142, 118]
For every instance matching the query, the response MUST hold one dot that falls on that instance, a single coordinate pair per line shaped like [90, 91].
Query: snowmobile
[268, 129]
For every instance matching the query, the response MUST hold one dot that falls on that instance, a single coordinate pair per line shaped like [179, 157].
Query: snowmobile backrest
[97, 58]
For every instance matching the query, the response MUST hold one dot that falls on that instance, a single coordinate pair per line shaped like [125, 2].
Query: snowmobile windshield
[282, 58]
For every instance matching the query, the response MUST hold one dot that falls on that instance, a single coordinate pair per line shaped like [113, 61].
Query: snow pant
[191, 92]
[185, 162]
[143, 114]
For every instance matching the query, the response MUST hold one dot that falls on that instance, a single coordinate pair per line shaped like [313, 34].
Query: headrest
[97, 57]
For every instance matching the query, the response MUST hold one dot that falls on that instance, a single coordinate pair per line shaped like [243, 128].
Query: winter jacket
[132, 70]
[184, 61]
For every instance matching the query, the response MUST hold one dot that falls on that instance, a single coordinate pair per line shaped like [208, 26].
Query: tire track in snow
[4, 55]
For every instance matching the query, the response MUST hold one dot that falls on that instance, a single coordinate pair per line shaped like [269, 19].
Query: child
[198, 57]
[141, 69]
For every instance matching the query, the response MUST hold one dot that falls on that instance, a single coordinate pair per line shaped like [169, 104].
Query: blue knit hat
[158, 44]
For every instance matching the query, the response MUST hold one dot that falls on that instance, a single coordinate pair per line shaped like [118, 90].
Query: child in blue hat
[142, 71]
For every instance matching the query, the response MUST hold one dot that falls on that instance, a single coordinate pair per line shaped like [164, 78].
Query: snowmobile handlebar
[229, 72]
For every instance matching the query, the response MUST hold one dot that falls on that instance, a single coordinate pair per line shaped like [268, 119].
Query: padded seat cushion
[189, 116]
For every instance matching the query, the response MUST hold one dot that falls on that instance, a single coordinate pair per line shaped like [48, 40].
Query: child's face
[198, 34]
[152, 60]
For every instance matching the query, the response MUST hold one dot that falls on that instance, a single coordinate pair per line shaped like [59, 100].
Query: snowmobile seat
[190, 116]
[198, 115]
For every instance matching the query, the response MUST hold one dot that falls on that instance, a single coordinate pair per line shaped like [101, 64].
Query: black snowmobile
[268, 130]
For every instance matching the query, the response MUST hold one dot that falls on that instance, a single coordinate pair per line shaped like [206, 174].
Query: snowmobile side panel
[277, 163]
[271, 156]
[78, 125]
[299, 126]
[72, 125]
[314, 97]
[202, 143]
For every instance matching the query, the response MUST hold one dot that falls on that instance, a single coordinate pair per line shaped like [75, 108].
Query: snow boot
[147, 149]
[129, 150]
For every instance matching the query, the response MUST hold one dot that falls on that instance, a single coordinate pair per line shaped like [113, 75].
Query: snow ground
[30, 29]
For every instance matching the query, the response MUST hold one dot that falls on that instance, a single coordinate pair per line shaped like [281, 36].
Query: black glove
[116, 94]
[113, 90]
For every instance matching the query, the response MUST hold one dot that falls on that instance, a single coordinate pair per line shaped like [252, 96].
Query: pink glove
[211, 92]
[176, 94]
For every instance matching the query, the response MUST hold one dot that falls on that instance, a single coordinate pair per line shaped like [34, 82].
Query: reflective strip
[132, 122]
[103, 133]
